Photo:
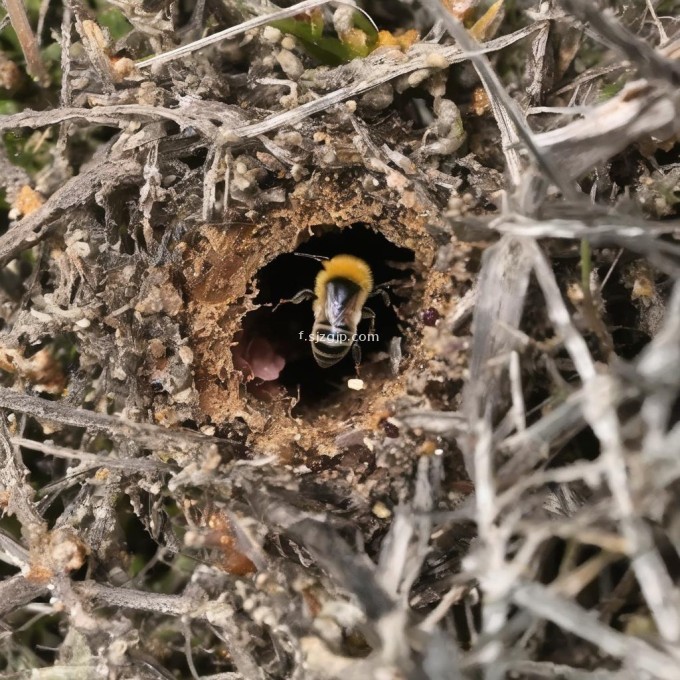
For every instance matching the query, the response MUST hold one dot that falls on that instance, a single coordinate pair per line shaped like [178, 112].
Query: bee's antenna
[318, 258]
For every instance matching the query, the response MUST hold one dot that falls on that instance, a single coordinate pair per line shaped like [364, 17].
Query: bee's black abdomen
[326, 358]
[330, 344]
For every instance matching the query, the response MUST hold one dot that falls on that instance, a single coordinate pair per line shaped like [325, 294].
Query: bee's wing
[342, 302]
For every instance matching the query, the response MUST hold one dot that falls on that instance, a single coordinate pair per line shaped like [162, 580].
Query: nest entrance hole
[281, 335]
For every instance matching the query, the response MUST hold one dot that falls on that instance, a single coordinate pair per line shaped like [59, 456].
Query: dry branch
[145, 435]
[17, 591]
[17, 15]
[635, 653]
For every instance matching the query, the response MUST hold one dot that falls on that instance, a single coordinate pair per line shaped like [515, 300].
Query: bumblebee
[340, 292]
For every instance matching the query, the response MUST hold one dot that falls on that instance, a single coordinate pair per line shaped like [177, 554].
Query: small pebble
[417, 77]
[290, 64]
[271, 34]
[381, 511]
[437, 60]
[355, 384]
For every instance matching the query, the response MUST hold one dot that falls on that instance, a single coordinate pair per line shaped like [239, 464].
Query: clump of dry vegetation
[185, 494]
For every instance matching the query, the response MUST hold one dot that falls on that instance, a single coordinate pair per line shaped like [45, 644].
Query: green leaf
[610, 91]
[30, 159]
[326, 49]
[8, 107]
[361, 21]
[115, 21]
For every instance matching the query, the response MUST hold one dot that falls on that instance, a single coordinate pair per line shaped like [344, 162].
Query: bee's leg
[301, 296]
[305, 294]
[368, 313]
[356, 355]
[382, 291]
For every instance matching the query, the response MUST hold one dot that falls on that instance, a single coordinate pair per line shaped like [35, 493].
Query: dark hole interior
[288, 274]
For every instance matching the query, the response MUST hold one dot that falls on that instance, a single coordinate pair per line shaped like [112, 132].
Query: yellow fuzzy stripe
[344, 267]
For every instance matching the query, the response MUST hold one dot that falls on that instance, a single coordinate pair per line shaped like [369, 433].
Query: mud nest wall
[224, 280]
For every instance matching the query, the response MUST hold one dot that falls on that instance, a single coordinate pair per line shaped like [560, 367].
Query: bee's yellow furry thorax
[344, 267]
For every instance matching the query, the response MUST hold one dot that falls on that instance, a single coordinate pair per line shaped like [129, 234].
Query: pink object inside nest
[257, 358]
